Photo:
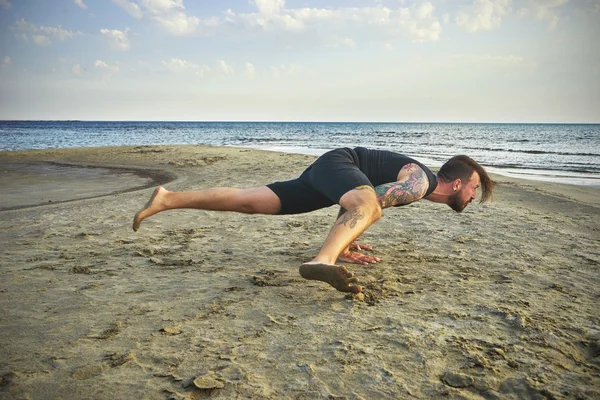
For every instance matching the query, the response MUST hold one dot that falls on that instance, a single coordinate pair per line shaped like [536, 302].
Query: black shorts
[322, 184]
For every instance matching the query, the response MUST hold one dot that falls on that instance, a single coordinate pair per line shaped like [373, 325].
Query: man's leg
[363, 210]
[258, 200]
[356, 257]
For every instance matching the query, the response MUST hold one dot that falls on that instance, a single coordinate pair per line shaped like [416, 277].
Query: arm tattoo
[351, 217]
[403, 192]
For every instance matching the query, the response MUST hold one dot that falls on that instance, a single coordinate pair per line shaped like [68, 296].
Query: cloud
[483, 15]
[269, 7]
[119, 40]
[132, 9]
[41, 40]
[169, 15]
[348, 42]
[5, 4]
[177, 23]
[286, 70]
[110, 68]
[249, 70]
[542, 11]
[81, 4]
[6, 61]
[78, 70]
[420, 23]
[57, 32]
[24, 26]
[417, 21]
[43, 35]
[224, 67]
[177, 65]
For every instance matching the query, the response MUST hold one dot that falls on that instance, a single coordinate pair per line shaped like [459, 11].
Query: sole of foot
[337, 276]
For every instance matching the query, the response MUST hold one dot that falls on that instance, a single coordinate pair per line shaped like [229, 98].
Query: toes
[337, 276]
[348, 274]
[345, 273]
[355, 289]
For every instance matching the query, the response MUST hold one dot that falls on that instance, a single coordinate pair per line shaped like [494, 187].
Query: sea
[563, 153]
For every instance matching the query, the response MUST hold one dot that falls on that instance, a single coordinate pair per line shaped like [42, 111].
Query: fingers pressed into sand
[153, 206]
[358, 258]
[337, 276]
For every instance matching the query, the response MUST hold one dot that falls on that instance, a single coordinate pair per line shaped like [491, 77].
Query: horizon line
[308, 122]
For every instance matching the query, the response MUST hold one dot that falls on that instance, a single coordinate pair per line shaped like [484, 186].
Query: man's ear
[456, 185]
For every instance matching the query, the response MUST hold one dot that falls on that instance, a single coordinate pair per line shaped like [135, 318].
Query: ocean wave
[564, 149]
[402, 133]
[525, 151]
[590, 170]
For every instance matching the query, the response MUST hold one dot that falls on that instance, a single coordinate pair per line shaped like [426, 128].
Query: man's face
[465, 193]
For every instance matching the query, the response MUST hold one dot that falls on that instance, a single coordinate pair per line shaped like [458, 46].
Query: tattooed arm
[411, 186]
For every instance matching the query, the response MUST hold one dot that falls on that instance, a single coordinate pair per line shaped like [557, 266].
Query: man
[360, 180]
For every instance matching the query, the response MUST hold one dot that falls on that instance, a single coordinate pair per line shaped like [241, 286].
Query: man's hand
[359, 247]
[355, 256]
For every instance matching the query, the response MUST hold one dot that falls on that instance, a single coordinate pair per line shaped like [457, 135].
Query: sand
[499, 302]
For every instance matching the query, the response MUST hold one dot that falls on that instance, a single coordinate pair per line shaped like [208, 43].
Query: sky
[301, 60]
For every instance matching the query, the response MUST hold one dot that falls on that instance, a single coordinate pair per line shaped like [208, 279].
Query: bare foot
[153, 206]
[337, 276]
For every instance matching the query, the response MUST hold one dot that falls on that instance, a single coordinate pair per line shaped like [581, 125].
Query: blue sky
[276, 60]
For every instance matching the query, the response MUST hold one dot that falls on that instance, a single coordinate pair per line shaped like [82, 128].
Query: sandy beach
[499, 302]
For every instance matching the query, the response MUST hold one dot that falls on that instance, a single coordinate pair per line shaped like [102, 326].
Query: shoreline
[82, 157]
[29, 173]
[538, 175]
[541, 175]
[499, 301]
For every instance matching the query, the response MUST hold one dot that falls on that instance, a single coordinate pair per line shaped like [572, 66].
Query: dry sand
[499, 302]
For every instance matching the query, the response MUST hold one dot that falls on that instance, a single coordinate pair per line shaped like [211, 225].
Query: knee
[246, 204]
[247, 208]
[366, 201]
[378, 211]
[257, 201]
[373, 209]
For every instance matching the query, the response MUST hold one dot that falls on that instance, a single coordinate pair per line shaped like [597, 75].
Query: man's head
[465, 176]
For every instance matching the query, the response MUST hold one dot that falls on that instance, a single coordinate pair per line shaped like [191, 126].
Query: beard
[455, 203]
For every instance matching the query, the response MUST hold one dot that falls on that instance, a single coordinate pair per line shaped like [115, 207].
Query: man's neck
[441, 193]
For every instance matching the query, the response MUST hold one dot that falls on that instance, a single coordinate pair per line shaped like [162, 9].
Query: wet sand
[31, 184]
[499, 302]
